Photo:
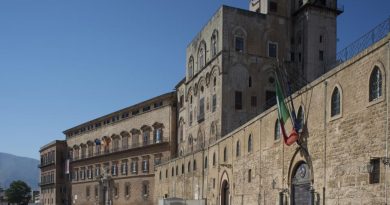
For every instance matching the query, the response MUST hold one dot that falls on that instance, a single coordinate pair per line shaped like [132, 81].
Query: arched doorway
[300, 186]
[225, 193]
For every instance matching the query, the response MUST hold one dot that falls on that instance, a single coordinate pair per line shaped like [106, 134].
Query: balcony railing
[46, 164]
[123, 148]
[45, 183]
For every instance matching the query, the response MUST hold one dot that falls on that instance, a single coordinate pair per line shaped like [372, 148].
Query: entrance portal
[225, 193]
[301, 185]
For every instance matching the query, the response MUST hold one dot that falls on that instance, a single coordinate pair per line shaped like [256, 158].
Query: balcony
[45, 183]
[123, 148]
[46, 164]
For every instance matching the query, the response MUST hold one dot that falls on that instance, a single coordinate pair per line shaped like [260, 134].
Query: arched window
[225, 157]
[201, 56]
[249, 175]
[191, 67]
[301, 117]
[160, 175]
[181, 132]
[177, 170]
[205, 162]
[277, 130]
[238, 149]
[214, 159]
[239, 39]
[335, 102]
[250, 143]
[173, 171]
[375, 84]
[166, 173]
[215, 81]
[181, 152]
[189, 167]
[214, 43]
[194, 166]
[182, 168]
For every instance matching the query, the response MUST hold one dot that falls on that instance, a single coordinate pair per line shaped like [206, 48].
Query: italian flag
[283, 115]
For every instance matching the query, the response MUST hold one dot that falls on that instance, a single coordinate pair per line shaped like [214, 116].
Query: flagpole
[292, 102]
[278, 78]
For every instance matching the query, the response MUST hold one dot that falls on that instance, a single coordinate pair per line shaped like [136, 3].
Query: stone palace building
[216, 139]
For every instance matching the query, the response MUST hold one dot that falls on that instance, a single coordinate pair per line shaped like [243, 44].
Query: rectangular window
[87, 191]
[158, 138]
[320, 38]
[214, 106]
[124, 168]
[299, 57]
[116, 190]
[82, 173]
[238, 100]
[90, 172]
[375, 171]
[135, 112]
[273, 6]
[96, 191]
[239, 44]
[158, 104]
[249, 176]
[253, 101]
[201, 110]
[145, 165]
[97, 170]
[321, 55]
[272, 49]
[114, 169]
[292, 56]
[125, 115]
[127, 190]
[147, 108]
[146, 137]
[190, 118]
[134, 167]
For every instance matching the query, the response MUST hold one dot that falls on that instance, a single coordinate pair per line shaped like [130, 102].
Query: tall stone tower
[312, 34]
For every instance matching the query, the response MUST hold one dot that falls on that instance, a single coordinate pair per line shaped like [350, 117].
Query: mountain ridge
[13, 167]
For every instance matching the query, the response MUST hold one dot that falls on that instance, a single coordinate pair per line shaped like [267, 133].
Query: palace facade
[216, 139]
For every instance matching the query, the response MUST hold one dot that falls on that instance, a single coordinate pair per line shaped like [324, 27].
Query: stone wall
[336, 149]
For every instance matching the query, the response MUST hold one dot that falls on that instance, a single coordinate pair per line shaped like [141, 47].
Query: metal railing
[122, 148]
[46, 164]
[373, 36]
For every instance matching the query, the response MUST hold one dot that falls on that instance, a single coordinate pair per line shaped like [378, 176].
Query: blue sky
[66, 62]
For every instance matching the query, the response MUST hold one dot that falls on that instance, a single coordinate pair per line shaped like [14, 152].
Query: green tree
[19, 192]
